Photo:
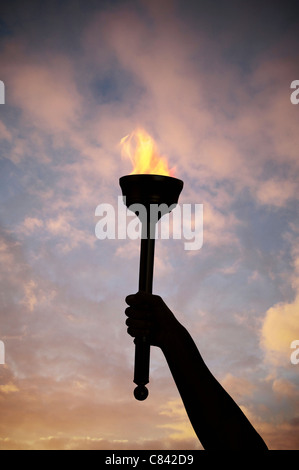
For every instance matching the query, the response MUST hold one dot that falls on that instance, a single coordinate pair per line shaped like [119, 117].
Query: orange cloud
[238, 387]
[9, 388]
[281, 323]
[280, 328]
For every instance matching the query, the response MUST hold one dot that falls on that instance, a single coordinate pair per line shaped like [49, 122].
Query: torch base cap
[141, 393]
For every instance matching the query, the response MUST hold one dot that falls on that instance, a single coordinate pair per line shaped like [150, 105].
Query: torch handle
[146, 267]
[142, 344]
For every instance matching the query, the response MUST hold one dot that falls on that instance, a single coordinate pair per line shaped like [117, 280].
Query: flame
[141, 149]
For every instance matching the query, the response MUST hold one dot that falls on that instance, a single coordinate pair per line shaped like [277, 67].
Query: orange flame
[141, 149]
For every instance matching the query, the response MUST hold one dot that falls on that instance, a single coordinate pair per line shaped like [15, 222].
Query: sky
[210, 81]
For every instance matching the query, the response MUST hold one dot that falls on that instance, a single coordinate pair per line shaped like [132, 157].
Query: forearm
[216, 418]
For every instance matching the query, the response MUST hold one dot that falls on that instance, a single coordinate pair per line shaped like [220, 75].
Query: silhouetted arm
[217, 420]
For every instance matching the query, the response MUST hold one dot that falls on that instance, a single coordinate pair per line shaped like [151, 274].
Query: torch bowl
[151, 189]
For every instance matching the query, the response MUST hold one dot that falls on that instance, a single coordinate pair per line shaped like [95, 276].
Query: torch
[146, 190]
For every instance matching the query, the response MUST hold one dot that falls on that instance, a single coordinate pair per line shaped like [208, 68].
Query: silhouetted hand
[217, 420]
[148, 315]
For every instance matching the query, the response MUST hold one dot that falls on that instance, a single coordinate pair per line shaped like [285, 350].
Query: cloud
[9, 388]
[5, 134]
[180, 426]
[278, 435]
[61, 373]
[63, 227]
[276, 193]
[30, 299]
[238, 387]
[281, 322]
[30, 224]
[280, 328]
[285, 388]
[45, 92]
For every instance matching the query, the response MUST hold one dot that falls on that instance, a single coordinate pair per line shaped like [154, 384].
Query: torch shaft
[146, 271]
[146, 267]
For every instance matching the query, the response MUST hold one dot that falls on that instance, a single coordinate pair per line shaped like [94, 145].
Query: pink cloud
[44, 90]
[4, 132]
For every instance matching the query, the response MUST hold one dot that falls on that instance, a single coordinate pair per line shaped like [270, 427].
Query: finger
[139, 299]
[138, 323]
[133, 312]
[130, 299]
[138, 332]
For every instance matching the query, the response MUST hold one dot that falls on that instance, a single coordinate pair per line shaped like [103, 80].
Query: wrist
[172, 337]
